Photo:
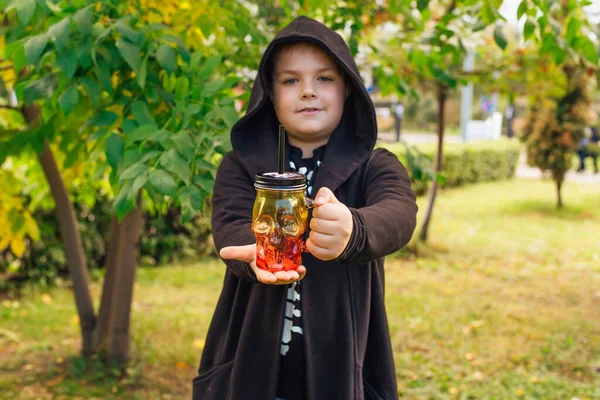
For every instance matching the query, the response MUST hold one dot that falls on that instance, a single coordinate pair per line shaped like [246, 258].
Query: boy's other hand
[331, 227]
[248, 254]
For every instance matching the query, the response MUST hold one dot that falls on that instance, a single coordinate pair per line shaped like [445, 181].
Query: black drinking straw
[281, 152]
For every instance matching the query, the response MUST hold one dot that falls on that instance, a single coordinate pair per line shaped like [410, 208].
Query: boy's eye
[325, 79]
[290, 81]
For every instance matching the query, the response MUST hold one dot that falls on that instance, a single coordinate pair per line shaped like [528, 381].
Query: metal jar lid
[277, 181]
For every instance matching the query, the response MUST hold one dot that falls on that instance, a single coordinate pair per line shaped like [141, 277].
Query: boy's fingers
[287, 276]
[265, 276]
[241, 253]
[324, 196]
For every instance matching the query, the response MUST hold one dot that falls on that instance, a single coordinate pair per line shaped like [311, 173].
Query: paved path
[523, 170]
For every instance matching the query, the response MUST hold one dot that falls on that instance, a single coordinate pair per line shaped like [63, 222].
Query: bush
[163, 240]
[467, 163]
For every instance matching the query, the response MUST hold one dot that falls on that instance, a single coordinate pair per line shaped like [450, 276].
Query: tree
[556, 124]
[559, 107]
[97, 79]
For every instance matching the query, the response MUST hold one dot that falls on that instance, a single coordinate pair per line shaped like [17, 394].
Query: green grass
[503, 303]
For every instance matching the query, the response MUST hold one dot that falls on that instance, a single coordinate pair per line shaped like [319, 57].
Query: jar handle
[308, 202]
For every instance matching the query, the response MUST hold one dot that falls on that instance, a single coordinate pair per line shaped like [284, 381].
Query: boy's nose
[308, 91]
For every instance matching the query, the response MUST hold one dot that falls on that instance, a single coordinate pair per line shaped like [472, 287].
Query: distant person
[584, 150]
[510, 116]
[398, 114]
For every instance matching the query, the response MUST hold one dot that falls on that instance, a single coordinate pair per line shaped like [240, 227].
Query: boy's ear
[348, 90]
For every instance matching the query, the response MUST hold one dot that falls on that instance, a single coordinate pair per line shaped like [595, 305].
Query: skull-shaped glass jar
[279, 220]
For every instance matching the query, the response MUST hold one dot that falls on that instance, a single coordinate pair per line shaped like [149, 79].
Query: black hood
[254, 136]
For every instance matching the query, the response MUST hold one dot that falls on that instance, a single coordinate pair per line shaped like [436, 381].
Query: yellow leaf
[55, 381]
[198, 343]
[46, 299]
[181, 365]
[31, 227]
[59, 360]
[17, 246]
[75, 320]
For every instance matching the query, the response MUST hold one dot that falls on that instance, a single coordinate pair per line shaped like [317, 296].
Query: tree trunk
[71, 239]
[559, 203]
[108, 290]
[126, 260]
[442, 94]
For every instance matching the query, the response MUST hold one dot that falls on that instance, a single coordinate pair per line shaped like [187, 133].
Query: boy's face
[309, 91]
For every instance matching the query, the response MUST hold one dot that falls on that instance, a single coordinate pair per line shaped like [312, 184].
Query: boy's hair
[287, 46]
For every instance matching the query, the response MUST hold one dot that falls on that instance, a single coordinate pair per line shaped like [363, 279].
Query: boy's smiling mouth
[309, 110]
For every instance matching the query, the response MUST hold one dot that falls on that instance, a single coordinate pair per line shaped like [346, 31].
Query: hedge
[466, 163]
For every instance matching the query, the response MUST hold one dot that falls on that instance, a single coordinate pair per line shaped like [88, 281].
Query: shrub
[467, 163]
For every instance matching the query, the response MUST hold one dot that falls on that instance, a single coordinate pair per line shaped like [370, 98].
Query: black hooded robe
[347, 344]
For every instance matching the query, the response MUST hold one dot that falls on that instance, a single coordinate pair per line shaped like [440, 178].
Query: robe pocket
[212, 383]
[370, 392]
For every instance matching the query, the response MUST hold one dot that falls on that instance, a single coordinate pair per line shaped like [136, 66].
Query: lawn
[503, 303]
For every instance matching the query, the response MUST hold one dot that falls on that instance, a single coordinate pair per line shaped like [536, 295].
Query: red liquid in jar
[283, 257]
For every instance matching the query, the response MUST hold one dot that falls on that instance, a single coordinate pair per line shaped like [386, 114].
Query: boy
[319, 332]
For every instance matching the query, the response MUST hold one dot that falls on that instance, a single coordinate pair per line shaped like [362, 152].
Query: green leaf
[36, 89]
[130, 53]
[529, 28]
[182, 142]
[129, 33]
[140, 134]
[229, 115]
[69, 99]
[139, 182]
[55, 8]
[59, 33]
[103, 118]
[124, 201]
[67, 64]
[143, 74]
[103, 74]
[558, 55]
[212, 87]
[25, 10]
[84, 20]
[174, 162]
[572, 29]
[114, 147]
[191, 201]
[73, 156]
[134, 171]
[167, 58]
[209, 66]
[206, 183]
[548, 44]
[422, 4]
[34, 47]
[182, 87]
[16, 52]
[589, 49]
[92, 90]
[162, 182]
[499, 37]
[141, 113]
[522, 9]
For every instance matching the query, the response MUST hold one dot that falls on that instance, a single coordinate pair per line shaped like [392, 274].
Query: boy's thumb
[325, 196]
[240, 253]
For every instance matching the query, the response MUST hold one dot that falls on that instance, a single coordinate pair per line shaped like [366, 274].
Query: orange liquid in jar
[283, 257]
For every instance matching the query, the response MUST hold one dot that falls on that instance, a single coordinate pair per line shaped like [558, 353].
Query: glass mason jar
[279, 220]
